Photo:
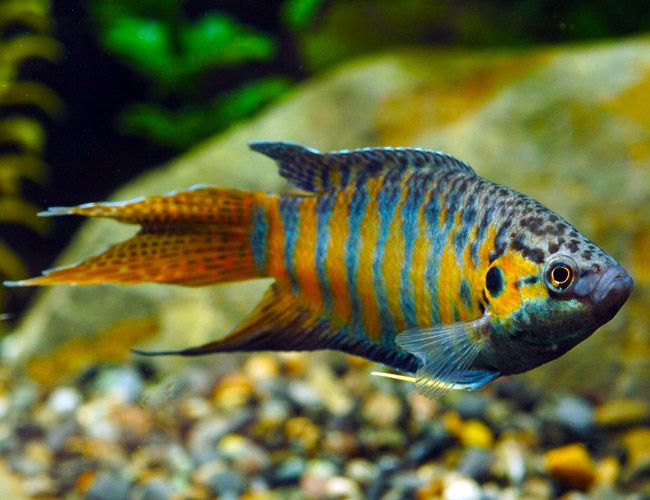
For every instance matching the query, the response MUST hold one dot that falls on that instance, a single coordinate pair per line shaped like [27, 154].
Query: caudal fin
[196, 237]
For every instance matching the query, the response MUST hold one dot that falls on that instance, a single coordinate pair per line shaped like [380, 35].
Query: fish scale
[402, 255]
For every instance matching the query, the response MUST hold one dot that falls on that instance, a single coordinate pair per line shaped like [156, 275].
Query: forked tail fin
[196, 237]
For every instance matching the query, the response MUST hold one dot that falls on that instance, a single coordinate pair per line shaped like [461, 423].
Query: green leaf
[298, 14]
[143, 43]
[218, 40]
[184, 128]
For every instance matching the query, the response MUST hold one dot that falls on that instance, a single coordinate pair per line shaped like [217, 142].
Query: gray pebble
[107, 487]
[123, 382]
[227, 484]
[157, 489]
[476, 464]
[288, 471]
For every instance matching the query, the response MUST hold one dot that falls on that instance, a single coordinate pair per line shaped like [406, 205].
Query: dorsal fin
[313, 171]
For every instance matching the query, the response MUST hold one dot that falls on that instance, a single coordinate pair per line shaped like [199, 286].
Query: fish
[403, 256]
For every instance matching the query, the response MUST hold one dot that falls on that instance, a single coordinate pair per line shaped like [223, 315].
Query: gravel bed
[292, 426]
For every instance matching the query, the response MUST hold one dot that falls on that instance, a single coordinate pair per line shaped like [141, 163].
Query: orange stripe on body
[421, 256]
[305, 255]
[391, 267]
[335, 260]
[365, 287]
[275, 247]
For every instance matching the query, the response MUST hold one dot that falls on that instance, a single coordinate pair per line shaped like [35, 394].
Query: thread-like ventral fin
[446, 353]
[313, 171]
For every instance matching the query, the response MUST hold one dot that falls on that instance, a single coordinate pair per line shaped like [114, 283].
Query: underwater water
[124, 99]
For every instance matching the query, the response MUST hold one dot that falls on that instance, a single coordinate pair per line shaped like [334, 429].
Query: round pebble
[64, 400]
[382, 409]
[621, 412]
[572, 465]
[107, 487]
[476, 433]
[460, 488]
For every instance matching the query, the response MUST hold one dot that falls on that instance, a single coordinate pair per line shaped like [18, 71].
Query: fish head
[545, 295]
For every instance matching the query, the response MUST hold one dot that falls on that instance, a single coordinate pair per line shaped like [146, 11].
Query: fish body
[402, 255]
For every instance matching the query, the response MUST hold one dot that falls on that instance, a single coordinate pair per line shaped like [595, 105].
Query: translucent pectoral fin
[447, 353]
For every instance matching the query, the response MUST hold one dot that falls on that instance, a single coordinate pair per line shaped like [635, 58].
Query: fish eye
[560, 274]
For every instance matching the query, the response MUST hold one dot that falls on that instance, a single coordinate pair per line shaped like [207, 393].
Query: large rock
[569, 126]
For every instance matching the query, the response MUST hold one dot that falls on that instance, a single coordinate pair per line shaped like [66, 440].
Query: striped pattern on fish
[402, 255]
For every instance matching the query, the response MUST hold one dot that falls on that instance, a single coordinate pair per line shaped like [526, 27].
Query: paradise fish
[401, 255]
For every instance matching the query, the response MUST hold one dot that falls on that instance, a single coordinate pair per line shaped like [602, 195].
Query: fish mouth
[609, 292]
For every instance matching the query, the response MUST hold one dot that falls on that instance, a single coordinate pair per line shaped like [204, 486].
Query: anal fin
[278, 323]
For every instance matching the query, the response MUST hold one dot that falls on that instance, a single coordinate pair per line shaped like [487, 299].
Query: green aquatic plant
[183, 59]
[24, 35]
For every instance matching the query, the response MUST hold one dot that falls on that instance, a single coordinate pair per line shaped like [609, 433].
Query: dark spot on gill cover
[494, 281]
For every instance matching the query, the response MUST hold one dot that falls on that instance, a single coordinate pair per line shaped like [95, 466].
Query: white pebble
[461, 488]
[64, 400]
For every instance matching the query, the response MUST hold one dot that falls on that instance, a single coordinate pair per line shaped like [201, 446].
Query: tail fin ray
[196, 237]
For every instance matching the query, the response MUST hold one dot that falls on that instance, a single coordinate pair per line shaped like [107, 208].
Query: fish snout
[609, 292]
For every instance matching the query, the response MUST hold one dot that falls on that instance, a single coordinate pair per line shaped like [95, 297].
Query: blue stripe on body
[324, 208]
[259, 237]
[468, 218]
[388, 199]
[465, 293]
[415, 197]
[289, 206]
[357, 210]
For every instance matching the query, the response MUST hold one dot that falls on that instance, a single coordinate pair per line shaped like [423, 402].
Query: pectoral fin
[447, 353]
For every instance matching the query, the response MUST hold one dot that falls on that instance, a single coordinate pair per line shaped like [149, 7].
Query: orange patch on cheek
[513, 267]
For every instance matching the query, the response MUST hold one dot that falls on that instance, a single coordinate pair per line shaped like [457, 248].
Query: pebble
[637, 446]
[608, 471]
[262, 366]
[622, 412]
[341, 487]
[468, 404]
[289, 471]
[233, 392]
[340, 443]
[361, 470]
[64, 400]
[509, 463]
[123, 383]
[204, 435]
[476, 463]
[304, 396]
[246, 455]
[157, 489]
[302, 433]
[574, 414]
[382, 409]
[314, 480]
[322, 378]
[432, 443]
[456, 487]
[227, 484]
[572, 465]
[106, 487]
[476, 433]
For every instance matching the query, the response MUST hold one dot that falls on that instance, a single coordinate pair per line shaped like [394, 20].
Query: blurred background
[95, 92]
